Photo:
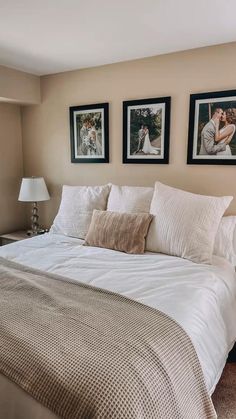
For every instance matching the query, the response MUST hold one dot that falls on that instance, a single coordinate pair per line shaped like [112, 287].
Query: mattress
[201, 298]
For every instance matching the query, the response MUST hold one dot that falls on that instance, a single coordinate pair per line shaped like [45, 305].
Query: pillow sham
[76, 208]
[124, 232]
[225, 240]
[184, 224]
[130, 199]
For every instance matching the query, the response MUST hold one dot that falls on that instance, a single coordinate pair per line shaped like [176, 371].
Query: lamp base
[34, 219]
[35, 228]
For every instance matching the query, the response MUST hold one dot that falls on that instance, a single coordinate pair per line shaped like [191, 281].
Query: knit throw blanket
[84, 352]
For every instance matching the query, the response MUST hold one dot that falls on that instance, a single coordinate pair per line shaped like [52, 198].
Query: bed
[171, 284]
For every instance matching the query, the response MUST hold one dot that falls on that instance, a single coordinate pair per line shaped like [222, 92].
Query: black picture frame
[88, 149]
[212, 100]
[139, 157]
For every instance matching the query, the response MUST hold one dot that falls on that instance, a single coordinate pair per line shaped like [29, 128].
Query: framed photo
[212, 124]
[89, 133]
[146, 127]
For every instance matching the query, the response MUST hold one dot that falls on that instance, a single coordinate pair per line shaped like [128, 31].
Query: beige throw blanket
[88, 353]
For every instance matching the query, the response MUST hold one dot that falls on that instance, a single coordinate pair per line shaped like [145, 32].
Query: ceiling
[51, 36]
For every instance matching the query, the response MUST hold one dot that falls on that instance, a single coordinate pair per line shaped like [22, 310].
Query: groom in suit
[84, 135]
[208, 144]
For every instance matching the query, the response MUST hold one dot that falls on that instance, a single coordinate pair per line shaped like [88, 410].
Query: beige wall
[18, 86]
[12, 214]
[46, 132]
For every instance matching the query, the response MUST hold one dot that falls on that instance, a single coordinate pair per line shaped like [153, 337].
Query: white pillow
[130, 199]
[185, 224]
[225, 241]
[76, 209]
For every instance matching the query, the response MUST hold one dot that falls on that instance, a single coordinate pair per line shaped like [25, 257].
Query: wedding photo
[89, 133]
[146, 130]
[212, 125]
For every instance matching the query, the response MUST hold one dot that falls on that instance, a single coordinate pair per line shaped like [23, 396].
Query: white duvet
[201, 298]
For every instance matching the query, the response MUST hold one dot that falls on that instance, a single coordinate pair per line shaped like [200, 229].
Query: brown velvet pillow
[118, 231]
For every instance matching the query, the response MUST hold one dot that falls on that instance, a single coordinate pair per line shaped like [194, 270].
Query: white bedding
[201, 298]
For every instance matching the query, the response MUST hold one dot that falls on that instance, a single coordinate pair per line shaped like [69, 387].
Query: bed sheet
[201, 298]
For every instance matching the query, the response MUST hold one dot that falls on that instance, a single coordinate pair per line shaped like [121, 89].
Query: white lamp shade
[33, 189]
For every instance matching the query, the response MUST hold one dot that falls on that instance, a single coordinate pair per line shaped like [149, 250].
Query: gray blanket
[84, 352]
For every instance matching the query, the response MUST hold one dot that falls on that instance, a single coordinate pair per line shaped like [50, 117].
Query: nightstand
[13, 237]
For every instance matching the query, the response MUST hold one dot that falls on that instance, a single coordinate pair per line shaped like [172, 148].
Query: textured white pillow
[130, 199]
[225, 239]
[76, 209]
[185, 224]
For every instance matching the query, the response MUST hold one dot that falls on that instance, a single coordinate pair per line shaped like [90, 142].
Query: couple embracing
[216, 140]
[144, 143]
[88, 136]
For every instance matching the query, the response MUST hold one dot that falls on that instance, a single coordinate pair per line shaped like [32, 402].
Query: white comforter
[201, 298]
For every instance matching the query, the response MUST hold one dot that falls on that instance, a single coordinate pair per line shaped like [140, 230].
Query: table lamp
[33, 189]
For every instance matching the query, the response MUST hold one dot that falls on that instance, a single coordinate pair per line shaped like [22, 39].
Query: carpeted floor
[224, 397]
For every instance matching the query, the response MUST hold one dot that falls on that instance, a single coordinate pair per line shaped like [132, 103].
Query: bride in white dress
[226, 133]
[94, 147]
[147, 147]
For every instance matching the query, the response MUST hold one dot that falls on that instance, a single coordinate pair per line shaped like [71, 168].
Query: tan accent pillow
[118, 231]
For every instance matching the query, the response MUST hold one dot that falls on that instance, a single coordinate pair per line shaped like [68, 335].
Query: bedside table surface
[16, 235]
